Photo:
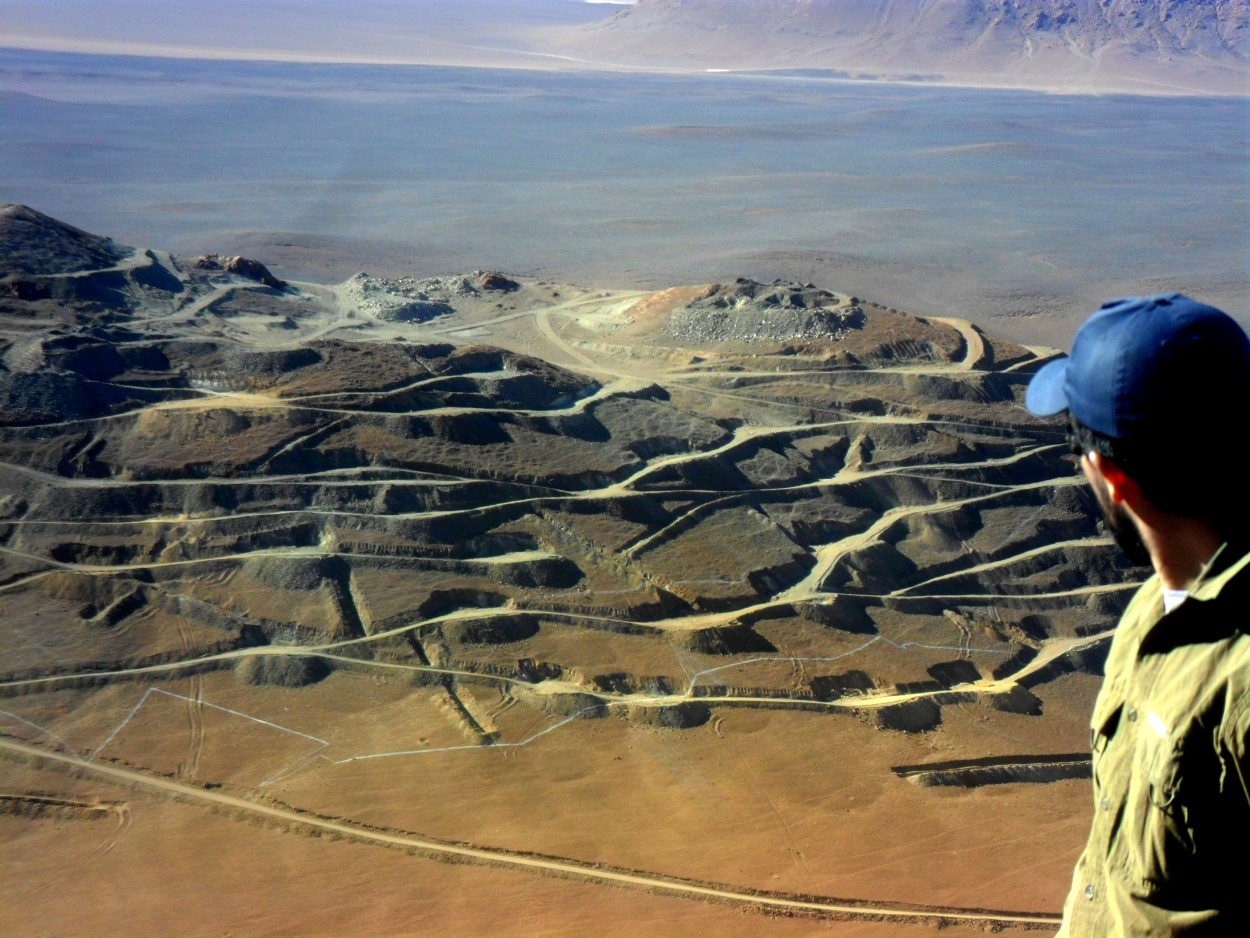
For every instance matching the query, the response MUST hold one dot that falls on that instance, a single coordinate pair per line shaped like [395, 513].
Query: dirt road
[651, 882]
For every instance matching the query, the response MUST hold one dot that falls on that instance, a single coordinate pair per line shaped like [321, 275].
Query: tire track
[190, 766]
[37, 806]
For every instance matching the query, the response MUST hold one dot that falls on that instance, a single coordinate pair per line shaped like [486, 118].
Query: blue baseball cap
[1147, 365]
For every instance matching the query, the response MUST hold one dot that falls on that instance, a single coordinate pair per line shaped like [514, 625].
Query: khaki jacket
[1170, 730]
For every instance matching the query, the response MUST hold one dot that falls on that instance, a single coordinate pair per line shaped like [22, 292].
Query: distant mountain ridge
[1167, 46]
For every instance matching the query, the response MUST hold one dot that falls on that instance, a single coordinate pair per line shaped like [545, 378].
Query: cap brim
[1046, 396]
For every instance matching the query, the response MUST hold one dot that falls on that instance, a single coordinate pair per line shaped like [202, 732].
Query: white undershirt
[1173, 598]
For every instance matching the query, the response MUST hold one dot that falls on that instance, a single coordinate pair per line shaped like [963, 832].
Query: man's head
[1158, 386]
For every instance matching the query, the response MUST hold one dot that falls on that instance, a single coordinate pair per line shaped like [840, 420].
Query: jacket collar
[1220, 570]
[1191, 622]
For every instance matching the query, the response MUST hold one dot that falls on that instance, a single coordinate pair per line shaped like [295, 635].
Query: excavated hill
[262, 535]
[820, 451]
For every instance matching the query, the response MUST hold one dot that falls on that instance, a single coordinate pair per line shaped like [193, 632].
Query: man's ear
[1120, 487]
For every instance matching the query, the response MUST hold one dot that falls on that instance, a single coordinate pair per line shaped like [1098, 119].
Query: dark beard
[1125, 533]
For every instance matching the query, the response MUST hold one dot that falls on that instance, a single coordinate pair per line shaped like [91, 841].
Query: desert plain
[596, 503]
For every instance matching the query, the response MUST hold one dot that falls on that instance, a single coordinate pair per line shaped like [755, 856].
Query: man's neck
[1179, 548]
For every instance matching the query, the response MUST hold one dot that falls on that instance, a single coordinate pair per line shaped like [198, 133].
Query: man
[1156, 392]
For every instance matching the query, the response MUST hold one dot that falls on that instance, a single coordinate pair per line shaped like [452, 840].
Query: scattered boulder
[495, 282]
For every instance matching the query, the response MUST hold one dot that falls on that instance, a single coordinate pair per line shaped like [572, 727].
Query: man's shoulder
[1221, 598]
[1143, 610]
[1223, 606]
[1228, 569]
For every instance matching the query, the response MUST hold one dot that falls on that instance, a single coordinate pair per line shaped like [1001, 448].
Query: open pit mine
[596, 607]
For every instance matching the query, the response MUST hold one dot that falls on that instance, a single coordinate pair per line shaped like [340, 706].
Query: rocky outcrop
[244, 267]
[495, 282]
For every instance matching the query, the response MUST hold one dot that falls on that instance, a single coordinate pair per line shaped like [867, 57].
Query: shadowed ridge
[32, 243]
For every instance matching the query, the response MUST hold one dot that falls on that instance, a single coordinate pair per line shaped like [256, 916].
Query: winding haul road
[621, 380]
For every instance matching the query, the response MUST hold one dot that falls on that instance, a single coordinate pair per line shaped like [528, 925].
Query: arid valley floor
[487, 605]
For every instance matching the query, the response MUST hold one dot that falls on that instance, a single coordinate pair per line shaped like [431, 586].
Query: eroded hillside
[515, 568]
